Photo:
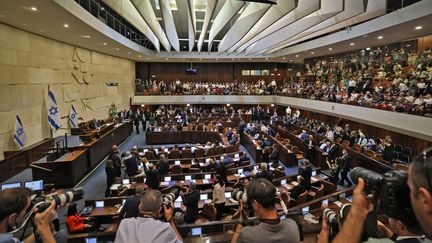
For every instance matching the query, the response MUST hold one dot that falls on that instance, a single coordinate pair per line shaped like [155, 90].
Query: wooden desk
[182, 137]
[69, 169]
[251, 146]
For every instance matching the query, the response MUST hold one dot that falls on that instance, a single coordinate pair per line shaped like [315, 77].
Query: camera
[239, 195]
[331, 218]
[169, 198]
[43, 202]
[390, 191]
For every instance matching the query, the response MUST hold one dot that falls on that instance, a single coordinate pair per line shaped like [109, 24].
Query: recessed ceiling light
[351, 44]
[380, 37]
[312, 52]
[66, 25]
[418, 27]
[283, 58]
[139, 55]
[86, 36]
[297, 55]
[290, 60]
[266, 58]
[130, 53]
[330, 49]
[105, 43]
[33, 9]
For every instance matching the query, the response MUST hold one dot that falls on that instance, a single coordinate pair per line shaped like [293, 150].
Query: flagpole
[49, 127]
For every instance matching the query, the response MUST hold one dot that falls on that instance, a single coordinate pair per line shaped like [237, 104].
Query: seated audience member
[227, 159]
[130, 208]
[234, 138]
[190, 200]
[274, 155]
[300, 188]
[262, 195]
[14, 204]
[264, 173]
[303, 135]
[76, 223]
[211, 166]
[219, 196]
[152, 177]
[149, 228]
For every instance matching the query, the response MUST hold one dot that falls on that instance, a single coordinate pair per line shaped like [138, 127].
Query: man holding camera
[420, 187]
[14, 205]
[149, 228]
[261, 194]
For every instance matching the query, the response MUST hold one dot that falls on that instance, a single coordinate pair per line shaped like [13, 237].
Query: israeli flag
[19, 135]
[73, 117]
[53, 112]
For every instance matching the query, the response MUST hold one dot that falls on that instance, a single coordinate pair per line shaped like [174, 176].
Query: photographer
[190, 200]
[149, 228]
[420, 185]
[261, 194]
[14, 205]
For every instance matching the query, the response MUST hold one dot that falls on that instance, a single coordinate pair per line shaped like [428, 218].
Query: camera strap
[271, 221]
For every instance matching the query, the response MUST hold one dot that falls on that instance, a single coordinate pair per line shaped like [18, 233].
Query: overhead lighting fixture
[408, 45]
[272, 105]
[297, 55]
[139, 55]
[200, 59]
[130, 53]
[266, 58]
[380, 37]
[187, 105]
[283, 58]
[33, 9]
[105, 43]
[228, 105]
[290, 60]
[418, 27]
[66, 25]
[86, 36]
[312, 52]
[142, 105]
[351, 44]
[330, 49]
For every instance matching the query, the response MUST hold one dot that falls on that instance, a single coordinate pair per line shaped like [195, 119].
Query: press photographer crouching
[401, 196]
[149, 228]
[15, 209]
[261, 195]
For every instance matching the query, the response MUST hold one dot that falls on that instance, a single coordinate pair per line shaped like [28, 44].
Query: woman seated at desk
[76, 223]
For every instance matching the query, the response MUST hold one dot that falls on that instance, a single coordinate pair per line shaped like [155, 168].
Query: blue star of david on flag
[19, 135]
[73, 117]
[53, 112]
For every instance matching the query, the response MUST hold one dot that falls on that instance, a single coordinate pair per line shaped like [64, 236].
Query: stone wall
[30, 63]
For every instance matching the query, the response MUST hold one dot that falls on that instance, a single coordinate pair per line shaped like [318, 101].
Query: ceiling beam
[250, 15]
[146, 10]
[329, 8]
[191, 24]
[303, 9]
[126, 9]
[170, 28]
[228, 11]
[211, 4]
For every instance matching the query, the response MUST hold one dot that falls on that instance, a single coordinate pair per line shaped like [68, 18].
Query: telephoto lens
[42, 203]
[331, 218]
[239, 195]
[373, 180]
[169, 198]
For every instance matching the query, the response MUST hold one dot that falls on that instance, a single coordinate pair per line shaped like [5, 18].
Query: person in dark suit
[305, 171]
[131, 164]
[211, 166]
[274, 155]
[334, 152]
[130, 208]
[115, 157]
[310, 148]
[345, 168]
[222, 170]
[110, 172]
[93, 124]
[152, 177]
[190, 200]
[265, 173]
[163, 166]
[299, 189]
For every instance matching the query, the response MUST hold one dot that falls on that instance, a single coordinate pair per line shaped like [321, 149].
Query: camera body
[43, 202]
[390, 190]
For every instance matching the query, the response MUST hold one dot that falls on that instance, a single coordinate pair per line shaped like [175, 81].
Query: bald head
[151, 201]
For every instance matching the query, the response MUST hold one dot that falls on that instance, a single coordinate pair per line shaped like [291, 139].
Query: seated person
[149, 228]
[226, 159]
[264, 173]
[299, 189]
[76, 223]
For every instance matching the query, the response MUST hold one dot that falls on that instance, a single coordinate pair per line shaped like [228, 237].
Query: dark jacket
[130, 208]
[191, 202]
[131, 166]
[152, 179]
[268, 175]
[163, 167]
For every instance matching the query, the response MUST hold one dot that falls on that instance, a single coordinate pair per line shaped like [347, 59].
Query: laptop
[204, 197]
[35, 186]
[125, 181]
[91, 240]
[11, 185]
[305, 210]
[188, 178]
[177, 162]
[283, 182]
[100, 204]
[227, 195]
[197, 231]
[167, 178]
[207, 176]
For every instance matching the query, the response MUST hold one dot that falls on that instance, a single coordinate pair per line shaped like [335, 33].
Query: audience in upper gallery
[377, 78]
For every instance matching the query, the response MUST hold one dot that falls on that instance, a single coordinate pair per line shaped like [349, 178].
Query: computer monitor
[203, 196]
[177, 204]
[100, 204]
[236, 155]
[283, 182]
[349, 198]
[314, 173]
[207, 176]
[165, 150]
[197, 231]
[305, 210]
[123, 201]
[188, 178]
[91, 240]
[167, 178]
[325, 202]
[177, 162]
[227, 194]
[156, 150]
[35, 185]
[125, 181]
[208, 160]
[282, 217]
[11, 185]
[240, 171]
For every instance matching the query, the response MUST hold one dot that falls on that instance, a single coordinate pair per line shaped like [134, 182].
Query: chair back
[176, 169]
[149, 155]
[211, 151]
[219, 150]
[199, 153]
[174, 154]
[186, 153]
[302, 198]
[229, 149]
